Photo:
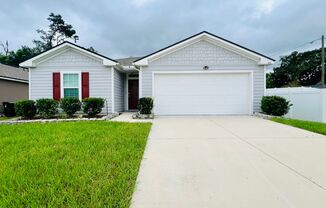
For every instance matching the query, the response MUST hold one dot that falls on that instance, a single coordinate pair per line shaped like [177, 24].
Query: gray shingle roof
[127, 61]
[11, 72]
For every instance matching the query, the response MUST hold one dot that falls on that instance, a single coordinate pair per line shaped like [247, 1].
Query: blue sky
[137, 27]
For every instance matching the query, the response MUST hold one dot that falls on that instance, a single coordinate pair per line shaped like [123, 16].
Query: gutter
[14, 79]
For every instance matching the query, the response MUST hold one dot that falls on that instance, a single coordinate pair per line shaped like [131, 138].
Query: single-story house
[13, 84]
[203, 74]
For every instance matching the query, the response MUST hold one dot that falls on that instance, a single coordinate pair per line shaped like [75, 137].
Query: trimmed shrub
[145, 105]
[93, 106]
[70, 105]
[25, 108]
[8, 109]
[275, 105]
[47, 107]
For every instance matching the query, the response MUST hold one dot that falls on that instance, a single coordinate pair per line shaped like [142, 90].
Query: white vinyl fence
[308, 103]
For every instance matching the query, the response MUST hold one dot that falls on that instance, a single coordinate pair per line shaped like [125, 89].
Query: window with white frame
[71, 85]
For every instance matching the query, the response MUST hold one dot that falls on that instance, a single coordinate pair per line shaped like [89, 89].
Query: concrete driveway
[231, 162]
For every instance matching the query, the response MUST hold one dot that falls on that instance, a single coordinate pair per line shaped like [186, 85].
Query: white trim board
[13, 79]
[126, 93]
[79, 83]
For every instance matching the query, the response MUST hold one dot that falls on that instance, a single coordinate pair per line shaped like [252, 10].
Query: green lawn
[307, 125]
[70, 164]
[6, 118]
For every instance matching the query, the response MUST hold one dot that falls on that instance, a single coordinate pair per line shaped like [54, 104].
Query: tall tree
[14, 58]
[297, 69]
[58, 32]
[5, 47]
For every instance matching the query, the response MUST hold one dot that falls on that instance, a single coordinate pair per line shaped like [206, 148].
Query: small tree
[70, 105]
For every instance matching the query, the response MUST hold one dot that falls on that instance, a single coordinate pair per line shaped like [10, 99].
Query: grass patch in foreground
[316, 127]
[70, 164]
[3, 118]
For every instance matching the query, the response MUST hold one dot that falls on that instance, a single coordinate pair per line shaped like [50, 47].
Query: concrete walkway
[127, 117]
[231, 162]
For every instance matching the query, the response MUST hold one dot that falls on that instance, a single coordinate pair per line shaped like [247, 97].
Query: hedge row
[47, 108]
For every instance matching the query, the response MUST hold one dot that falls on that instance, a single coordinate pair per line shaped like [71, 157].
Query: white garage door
[202, 93]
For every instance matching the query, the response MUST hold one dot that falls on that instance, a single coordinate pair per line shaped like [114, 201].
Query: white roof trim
[13, 79]
[33, 61]
[260, 59]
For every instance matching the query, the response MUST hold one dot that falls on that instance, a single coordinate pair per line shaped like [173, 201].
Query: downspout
[264, 80]
[140, 82]
[112, 88]
[29, 84]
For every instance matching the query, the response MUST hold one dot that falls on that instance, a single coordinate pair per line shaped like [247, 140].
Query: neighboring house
[203, 74]
[13, 84]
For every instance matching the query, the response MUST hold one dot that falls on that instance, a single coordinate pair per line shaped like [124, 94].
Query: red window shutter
[56, 86]
[85, 85]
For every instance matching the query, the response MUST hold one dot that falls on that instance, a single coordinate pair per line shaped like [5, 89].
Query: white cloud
[117, 25]
[140, 3]
[265, 7]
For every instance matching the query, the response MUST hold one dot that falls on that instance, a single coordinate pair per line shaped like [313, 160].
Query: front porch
[126, 86]
[132, 91]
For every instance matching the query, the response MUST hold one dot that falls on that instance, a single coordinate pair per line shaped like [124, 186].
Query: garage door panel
[197, 109]
[178, 94]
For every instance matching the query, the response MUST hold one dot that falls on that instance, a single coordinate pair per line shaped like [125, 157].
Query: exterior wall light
[205, 67]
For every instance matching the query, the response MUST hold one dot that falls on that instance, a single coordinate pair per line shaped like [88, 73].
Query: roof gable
[203, 53]
[63, 47]
[69, 57]
[221, 42]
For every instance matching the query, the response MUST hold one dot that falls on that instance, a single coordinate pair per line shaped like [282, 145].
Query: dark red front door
[133, 94]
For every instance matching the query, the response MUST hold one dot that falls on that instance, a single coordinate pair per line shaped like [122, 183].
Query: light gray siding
[71, 61]
[119, 90]
[199, 54]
